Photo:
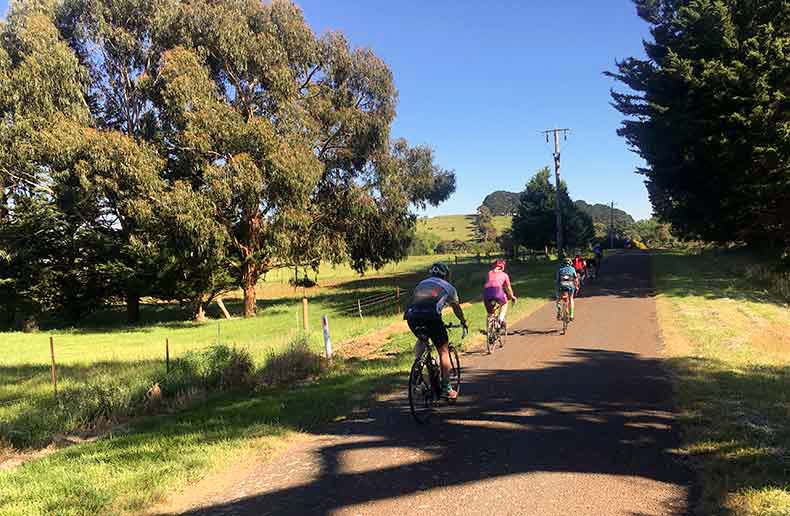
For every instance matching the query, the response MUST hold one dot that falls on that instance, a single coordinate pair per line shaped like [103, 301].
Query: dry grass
[726, 341]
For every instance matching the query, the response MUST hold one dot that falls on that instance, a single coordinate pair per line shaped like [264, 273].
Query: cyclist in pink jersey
[498, 290]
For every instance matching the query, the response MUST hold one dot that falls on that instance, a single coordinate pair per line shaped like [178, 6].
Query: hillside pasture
[460, 227]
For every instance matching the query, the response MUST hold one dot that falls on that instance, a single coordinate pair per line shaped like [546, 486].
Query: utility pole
[557, 212]
[611, 227]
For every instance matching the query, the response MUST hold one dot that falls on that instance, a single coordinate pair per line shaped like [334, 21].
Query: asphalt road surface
[580, 424]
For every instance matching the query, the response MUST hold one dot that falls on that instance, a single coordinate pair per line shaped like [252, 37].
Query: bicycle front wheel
[422, 397]
[455, 370]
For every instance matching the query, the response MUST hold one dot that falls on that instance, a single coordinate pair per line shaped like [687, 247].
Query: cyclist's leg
[572, 295]
[442, 342]
[559, 304]
[503, 311]
[419, 347]
[418, 329]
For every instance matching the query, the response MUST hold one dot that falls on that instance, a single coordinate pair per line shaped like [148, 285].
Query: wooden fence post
[397, 298]
[304, 313]
[167, 354]
[359, 307]
[54, 371]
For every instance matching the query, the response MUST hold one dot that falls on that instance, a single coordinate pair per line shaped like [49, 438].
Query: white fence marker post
[327, 340]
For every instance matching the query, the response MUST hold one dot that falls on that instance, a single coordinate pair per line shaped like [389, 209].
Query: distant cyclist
[498, 290]
[598, 257]
[592, 267]
[567, 279]
[424, 316]
[579, 265]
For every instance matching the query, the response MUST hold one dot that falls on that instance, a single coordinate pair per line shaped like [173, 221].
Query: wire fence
[378, 304]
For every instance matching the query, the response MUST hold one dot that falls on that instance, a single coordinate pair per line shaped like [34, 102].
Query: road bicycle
[425, 380]
[565, 309]
[495, 331]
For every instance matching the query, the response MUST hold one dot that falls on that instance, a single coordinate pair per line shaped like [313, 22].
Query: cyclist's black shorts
[432, 329]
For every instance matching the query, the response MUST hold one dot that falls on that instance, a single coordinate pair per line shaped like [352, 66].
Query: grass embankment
[129, 470]
[103, 357]
[728, 341]
[460, 227]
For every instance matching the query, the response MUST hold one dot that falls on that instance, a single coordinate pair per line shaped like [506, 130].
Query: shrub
[453, 246]
[304, 282]
[423, 243]
[298, 362]
[218, 367]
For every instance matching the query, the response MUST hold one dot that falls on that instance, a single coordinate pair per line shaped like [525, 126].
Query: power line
[557, 212]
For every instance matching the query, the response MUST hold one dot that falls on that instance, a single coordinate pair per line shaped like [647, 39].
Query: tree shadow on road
[591, 411]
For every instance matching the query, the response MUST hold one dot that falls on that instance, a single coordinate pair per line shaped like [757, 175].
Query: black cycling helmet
[440, 270]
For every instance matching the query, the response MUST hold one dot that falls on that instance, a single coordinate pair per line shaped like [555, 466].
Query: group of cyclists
[424, 313]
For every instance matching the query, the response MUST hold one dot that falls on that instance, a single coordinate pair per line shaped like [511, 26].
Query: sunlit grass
[133, 468]
[728, 345]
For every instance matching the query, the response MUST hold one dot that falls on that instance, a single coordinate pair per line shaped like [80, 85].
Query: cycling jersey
[566, 278]
[497, 279]
[494, 289]
[430, 297]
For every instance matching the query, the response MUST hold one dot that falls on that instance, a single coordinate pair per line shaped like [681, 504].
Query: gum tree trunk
[249, 277]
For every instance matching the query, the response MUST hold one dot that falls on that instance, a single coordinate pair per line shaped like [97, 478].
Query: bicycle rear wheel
[422, 397]
[491, 334]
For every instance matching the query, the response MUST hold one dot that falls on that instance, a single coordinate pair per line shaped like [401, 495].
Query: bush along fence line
[93, 405]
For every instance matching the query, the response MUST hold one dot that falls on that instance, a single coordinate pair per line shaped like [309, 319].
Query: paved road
[552, 425]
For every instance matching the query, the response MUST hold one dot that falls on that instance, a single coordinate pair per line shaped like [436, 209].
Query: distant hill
[601, 213]
[502, 203]
[506, 203]
[462, 227]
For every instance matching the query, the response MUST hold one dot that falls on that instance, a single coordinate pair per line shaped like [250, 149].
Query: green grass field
[728, 346]
[459, 227]
[138, 464]
[106, 351]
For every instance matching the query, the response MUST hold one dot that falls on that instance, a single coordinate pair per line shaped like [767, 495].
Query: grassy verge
[728, 344]
[133, 468]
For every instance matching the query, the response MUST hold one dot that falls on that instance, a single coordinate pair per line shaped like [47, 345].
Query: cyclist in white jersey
[424, 316]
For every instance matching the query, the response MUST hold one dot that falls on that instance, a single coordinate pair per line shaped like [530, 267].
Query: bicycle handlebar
[450, 326]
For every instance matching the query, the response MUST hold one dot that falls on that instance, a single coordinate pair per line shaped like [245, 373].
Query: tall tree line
[709, 111]
[179, 149]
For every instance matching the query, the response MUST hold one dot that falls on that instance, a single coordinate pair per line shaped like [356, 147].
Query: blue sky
[479, 80]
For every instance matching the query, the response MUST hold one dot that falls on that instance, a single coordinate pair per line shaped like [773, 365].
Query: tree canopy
[179, 149]
[534, 224]
[708, 111]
